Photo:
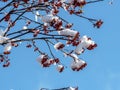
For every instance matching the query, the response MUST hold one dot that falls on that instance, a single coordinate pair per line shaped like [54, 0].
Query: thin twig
[49, 48]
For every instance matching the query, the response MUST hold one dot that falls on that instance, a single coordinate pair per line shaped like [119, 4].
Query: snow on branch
[32, 21]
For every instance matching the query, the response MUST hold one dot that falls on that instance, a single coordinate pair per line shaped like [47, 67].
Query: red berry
[7, 17]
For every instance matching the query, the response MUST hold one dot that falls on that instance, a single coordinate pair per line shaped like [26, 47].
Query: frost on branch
[60, 68]
[78, 65]
[33, 21]
[59, 46]
[85, 43]
[2, 37]
[64, 88]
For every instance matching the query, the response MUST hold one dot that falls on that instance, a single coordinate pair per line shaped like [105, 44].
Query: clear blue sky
[101, 73]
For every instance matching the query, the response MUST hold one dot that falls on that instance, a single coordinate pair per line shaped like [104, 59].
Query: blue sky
[101, 73]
